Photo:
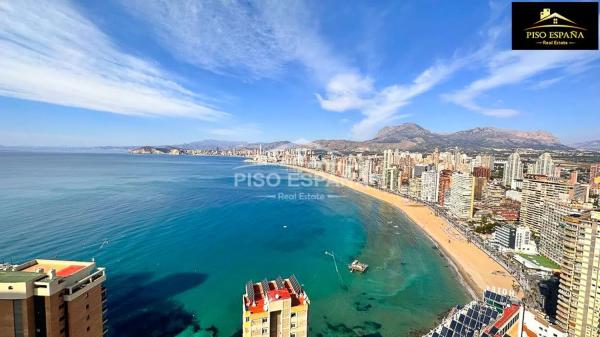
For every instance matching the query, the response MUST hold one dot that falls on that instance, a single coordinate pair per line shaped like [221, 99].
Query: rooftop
[63, 268]
[258, 295]
[18, 276]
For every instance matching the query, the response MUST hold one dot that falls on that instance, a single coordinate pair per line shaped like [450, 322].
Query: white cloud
[51, 53]
[513, 67]
[247, 39]
[237, 132]
[352, 91]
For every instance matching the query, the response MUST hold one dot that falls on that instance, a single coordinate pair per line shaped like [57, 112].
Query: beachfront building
[275, 308]
[551, 227]
[513, 170]
[504, 237]
[535, 193]
[444, 186]
[429, 185]
[51, 298]
[493, 316]
[579, 292]
[462, 193]
[414, 188]
[524, 242]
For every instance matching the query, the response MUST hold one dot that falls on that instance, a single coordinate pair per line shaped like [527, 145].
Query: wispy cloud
[352, 91]
[49, 52]
[237, 132]
[245, 39]
[513, 67]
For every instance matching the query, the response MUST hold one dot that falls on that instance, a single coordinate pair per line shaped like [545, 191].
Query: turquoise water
[179, 240]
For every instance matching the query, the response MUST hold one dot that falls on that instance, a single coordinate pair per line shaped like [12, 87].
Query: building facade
[429, 186]
[50, 298]
[535, 194]
[462, 194]
[512, 170]
[275, 308]
[579, 292]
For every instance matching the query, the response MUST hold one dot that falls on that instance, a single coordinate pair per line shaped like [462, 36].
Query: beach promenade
[477, 269]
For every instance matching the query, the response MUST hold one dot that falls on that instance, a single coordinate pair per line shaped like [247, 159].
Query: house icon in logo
[554, 20]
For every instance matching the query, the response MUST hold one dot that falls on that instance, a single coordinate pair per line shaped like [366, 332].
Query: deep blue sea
[179, 240]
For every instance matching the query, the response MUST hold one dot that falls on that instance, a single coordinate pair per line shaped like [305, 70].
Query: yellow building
[579, 292]
[275, 308]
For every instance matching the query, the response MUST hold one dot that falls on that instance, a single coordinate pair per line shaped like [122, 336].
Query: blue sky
[167, 72]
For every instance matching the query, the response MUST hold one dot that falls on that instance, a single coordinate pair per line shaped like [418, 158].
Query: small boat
[358, 266]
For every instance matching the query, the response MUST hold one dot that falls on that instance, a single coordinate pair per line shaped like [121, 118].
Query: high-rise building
[595, 178]
[512, 170]
[414, 188]
[444, 186]
[50, 298]
[462, 193]
[551, 228]
[579, 293]
[487, 161]
[482, 172]
[535, 193]
[275, 308]
[544, 165]
[429, 186]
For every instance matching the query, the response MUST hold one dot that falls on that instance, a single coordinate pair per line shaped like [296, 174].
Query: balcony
[76, 289]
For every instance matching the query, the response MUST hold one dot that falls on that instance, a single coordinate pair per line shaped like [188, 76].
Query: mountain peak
[402, 131]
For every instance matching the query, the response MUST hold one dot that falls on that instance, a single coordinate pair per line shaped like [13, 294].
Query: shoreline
[476, 270]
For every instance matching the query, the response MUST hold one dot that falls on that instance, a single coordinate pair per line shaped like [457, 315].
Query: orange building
[275, 308]
[50, 298]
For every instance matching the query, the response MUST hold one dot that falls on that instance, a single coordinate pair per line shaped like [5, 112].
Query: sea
[180, 236]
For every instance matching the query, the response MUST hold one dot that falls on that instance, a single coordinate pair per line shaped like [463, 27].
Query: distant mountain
[410, 136]
[592, 145]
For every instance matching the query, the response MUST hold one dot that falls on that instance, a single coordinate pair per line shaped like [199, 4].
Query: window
[293, 314]
[293, 325]
[264, 320]
[264, 331]
[292, 335]
[247, 319]
[88, 328]
[87, 306]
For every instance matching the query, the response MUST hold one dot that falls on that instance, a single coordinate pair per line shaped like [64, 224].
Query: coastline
[475, 268]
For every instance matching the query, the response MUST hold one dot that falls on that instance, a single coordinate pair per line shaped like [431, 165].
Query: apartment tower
[462, 193]
[536, 192]
[513, 170]
[50, 298]
[277, 308]
[579, 292]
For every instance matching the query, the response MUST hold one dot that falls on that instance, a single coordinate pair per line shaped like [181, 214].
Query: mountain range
[410, 136]
[592, 145]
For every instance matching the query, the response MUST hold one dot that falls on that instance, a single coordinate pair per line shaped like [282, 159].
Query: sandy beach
[475, 266]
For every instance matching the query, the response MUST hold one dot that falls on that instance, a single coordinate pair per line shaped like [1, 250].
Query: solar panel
[295, 285]
[250, 291]
[279, 283]
[265, 286]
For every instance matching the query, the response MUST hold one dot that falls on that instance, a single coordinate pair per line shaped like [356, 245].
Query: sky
[137, 72]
